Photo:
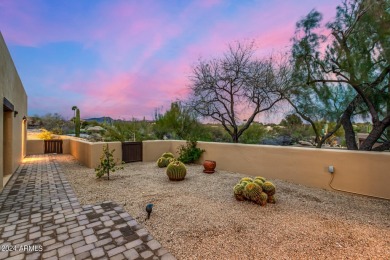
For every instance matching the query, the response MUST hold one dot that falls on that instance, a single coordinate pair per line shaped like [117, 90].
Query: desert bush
[45, 135]
[189, 153]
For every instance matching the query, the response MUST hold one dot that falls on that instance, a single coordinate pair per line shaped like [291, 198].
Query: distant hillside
[110, 120]
[103, 119]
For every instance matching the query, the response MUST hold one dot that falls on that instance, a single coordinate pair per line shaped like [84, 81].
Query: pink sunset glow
[124, 59]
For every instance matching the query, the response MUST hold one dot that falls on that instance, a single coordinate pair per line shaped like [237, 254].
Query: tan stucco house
[13, 119]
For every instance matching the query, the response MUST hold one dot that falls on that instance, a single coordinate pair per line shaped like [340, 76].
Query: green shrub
[189, 153]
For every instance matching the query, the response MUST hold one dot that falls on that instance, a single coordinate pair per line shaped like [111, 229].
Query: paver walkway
[41, 218]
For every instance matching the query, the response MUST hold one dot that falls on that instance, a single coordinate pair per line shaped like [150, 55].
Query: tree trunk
[235, 138]
[348, 128]
[376, 132]
[383, 147]
[329, 134]
[308, 119]
[388, 108]
[345, 120]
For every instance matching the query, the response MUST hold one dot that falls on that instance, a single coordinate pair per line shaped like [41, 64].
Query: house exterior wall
[13, 133]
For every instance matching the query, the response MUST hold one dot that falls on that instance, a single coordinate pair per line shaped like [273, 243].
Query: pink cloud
[134, 74]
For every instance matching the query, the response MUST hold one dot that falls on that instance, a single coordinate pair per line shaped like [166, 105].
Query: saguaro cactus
[77, 123]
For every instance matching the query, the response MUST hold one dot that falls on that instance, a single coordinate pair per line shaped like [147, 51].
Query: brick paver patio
[41, 218]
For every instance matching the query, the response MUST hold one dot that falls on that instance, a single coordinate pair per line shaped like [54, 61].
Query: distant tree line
[338, 77]
[334, 76]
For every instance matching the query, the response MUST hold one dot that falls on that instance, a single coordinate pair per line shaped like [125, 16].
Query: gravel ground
[199, 218]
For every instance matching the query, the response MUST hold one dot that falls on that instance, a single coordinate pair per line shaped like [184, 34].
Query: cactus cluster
[165, 160]
[258, 190]
[176, 170]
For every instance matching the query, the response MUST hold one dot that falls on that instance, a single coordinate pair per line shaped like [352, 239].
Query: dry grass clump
[199, 218]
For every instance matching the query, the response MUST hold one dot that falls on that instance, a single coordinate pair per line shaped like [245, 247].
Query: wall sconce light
[16, 113]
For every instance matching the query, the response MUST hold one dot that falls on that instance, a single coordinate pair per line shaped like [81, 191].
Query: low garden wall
[366, 173]
[87, 153]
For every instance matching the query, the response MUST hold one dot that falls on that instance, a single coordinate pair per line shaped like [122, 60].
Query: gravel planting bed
[199, 218]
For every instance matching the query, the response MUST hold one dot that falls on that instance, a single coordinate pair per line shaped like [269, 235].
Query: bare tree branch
[223, 88]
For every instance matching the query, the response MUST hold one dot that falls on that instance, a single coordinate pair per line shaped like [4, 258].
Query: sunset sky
[125, 58]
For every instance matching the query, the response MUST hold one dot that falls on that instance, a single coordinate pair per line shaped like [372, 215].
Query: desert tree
[107, 163]
[352, 75]
[235, 87]
[53, 122]
[179, 122]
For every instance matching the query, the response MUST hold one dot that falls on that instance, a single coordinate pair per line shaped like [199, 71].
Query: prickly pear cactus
[176, 171]
[167, 155]
[269, 188]
[162, 162]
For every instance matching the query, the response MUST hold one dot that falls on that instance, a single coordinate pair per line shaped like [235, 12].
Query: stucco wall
[89, 153]
[152, 150]
[37, 146]
[12, 128]
[97, 151]
[366, 173]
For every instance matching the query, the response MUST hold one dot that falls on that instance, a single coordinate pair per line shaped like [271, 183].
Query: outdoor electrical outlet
[331, 169]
